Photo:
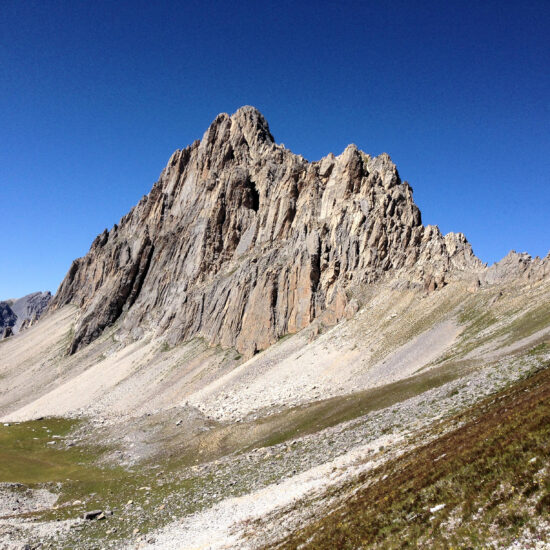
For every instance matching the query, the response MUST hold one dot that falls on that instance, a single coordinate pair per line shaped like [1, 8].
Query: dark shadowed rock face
[7, 317]
[23, 312]
[241, 241]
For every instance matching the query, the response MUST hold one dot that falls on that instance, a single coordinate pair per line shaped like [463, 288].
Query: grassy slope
[491, 473]
[26, 457]
[32, 461]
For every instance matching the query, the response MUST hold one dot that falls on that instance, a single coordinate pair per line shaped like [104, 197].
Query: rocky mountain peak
[253, 124]
[244, 134]
[241, 241]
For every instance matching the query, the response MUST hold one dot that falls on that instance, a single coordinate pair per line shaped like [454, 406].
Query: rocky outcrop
[23, 312]
[27, 323]
[517, 266]
[7, 317]
[241, 241]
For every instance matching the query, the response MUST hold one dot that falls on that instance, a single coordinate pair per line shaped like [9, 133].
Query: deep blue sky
[95, 96]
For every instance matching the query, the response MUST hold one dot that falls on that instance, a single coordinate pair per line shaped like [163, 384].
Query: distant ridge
[16, 315]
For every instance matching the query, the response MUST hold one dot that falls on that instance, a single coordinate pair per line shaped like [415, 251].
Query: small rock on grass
[437, 508]
[94, 514]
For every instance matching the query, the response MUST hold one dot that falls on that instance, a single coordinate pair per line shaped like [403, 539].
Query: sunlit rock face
[241, 241]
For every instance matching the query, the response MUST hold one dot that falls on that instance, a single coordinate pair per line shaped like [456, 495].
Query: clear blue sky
[95, 96]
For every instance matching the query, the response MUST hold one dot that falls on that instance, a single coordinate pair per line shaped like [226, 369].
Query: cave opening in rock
[252, 196]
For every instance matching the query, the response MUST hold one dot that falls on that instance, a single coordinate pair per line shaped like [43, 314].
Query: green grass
[412, 326]
[529, 323]
[543, 347]
[490, 317]
[69, 337]
[26, 457]
[488, 473]
[75, 474]
[477, 322]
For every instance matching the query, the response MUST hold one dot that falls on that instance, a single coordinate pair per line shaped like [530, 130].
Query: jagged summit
[247, 128]
[241, 241]
[253, 123]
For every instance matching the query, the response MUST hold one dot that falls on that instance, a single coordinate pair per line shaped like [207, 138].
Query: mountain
[241, 242]
[268, 352]
[16, 315]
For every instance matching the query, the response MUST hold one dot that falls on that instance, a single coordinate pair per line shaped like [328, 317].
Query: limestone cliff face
[241, 241]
